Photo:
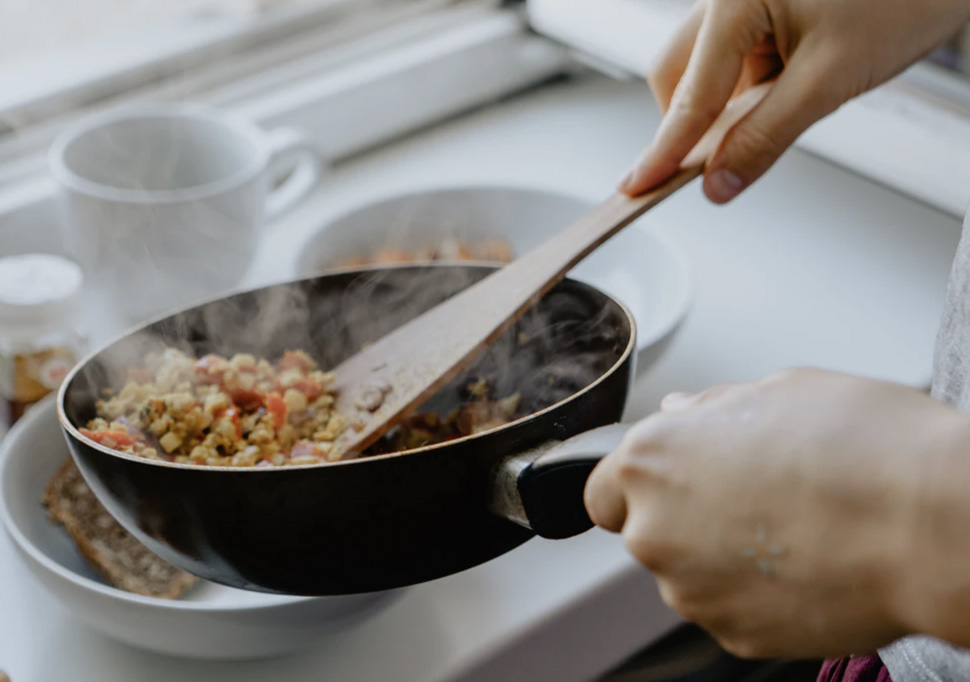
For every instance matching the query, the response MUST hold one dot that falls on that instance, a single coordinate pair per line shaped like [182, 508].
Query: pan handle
[542, 489]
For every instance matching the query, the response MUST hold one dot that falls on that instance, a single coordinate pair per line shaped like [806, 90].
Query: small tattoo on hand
[764, 552]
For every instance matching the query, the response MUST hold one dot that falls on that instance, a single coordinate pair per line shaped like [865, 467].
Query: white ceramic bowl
[650, 274]
[212, 621]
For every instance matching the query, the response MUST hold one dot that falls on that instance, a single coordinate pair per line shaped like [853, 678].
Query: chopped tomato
[308, 387]
[110, 439]
[276, 407]
[232, 414]
[204, 369]
[292, 360]
[246, 400]
[207, 361]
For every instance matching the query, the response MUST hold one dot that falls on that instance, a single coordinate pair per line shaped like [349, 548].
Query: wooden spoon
[395, 375]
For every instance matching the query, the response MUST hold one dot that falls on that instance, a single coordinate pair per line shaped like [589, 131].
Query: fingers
[608, 487]
[760, 66]
[605, 498]
[729, 31]
[667, 71]
[606, 490]
[800, 97]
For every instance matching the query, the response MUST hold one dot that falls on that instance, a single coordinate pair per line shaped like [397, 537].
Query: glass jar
[39, 336]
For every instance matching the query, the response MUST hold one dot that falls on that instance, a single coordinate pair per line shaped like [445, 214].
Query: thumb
[802, 95]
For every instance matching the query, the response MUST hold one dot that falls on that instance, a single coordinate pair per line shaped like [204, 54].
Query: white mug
[162, 204]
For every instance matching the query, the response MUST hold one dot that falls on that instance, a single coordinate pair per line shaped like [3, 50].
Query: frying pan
[387, 520]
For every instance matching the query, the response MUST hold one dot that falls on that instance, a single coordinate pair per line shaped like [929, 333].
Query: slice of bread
[123, 561]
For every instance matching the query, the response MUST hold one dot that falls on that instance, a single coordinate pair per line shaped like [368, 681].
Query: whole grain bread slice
[120, 558]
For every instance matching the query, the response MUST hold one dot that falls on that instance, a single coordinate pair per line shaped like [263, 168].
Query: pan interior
[565, 343]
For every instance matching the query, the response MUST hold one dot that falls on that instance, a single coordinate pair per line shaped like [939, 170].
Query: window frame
[429, 50]
[38, 89]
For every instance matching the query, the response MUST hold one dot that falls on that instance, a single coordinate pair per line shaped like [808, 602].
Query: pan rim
[75, 433]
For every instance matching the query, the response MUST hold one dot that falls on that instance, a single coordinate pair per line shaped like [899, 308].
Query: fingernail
[723, 185]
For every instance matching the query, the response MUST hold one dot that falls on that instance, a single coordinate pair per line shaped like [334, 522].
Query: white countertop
[813, 267]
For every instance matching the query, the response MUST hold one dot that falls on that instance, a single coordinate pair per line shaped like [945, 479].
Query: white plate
[650, 274]
[211, 621]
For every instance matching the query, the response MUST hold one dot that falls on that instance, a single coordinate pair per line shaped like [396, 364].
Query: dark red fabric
[855, 669]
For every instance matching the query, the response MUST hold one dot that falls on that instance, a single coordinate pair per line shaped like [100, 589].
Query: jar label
[7, 363]
[53, 371]
[28, 378]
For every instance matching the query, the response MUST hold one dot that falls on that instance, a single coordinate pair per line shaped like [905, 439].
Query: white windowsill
[474, 59]
[87, 70]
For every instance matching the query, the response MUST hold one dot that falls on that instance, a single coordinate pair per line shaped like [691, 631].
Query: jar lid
[38, 289]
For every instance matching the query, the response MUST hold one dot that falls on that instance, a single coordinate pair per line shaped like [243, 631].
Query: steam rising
[158, 247]
[165, 207]
[561, 346]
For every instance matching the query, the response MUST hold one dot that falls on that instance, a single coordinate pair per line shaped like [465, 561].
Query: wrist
[929, 567]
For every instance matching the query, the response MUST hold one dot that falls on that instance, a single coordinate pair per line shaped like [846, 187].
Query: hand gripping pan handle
[542, 489]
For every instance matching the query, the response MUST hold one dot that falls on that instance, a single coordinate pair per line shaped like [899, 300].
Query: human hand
[823, 52]
[784, 516]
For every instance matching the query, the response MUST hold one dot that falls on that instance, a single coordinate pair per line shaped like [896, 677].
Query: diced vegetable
[170, 441]
[295, 400]
[210, 368]
[308, 387]
[246, 400]
[110, 439]
[296, 360]
[277, 408]
[304, 448]
[243, 362]
[221, 411]
[232, 414]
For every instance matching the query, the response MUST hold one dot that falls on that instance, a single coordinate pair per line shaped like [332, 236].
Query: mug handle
[286, 142]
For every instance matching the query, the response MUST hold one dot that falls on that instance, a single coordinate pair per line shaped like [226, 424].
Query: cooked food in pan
[245, 411]
[449, 250]
[217, 411]
[429, 428]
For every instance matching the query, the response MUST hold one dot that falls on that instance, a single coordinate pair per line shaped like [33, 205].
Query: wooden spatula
[398, 373]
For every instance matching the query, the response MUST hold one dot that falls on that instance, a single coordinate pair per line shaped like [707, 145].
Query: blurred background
[35, 28]
[401, 98]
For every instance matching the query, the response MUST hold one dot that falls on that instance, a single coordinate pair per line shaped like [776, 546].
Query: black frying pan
[383, 521]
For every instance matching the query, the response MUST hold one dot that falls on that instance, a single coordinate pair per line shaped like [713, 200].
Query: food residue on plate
[107, 547]
[449, 250]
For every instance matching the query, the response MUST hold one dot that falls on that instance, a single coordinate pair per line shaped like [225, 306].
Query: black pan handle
[542, 489]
